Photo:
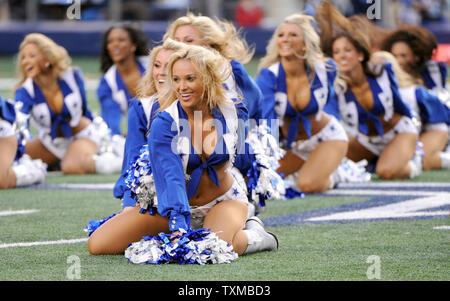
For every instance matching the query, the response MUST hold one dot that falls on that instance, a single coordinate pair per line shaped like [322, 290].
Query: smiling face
[32, 60]
[187, 83]
[346, 55]
[404, 55]
[188, 34]
[159, 71]
[119, 45]
[290, 40]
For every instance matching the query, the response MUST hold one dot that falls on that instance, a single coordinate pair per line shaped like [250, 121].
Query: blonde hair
[146, 86]
[313, 52]
[57, 55]
[213, 69]
[217, 34]
[404, 79]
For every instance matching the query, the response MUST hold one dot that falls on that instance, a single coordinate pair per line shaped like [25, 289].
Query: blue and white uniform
[174, 159]
[27, 171]
[276, 106]
[430, 112]
[140, 117]
[241, 86]
[7, 118]
[47, 122]
[114, 96]
[435, 75]
[387, 100]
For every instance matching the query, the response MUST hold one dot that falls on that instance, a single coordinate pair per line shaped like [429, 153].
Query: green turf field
[46, 242]
[407, 249]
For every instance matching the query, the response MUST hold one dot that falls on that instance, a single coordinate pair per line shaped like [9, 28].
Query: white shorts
[436, 127]
[59, 145]
[376, 144]
[332, 131]
[6, 129]
[198, 213]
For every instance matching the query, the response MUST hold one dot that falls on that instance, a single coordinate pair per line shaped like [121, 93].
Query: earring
[361, 59]
[47, 65]
[303, 57]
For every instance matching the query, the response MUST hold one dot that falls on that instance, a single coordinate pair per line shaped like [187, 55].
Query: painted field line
[384, 192]
[442, 228]
[396, 184]
[81, 186]
[412, 208]
[17, 212]
[43, 243]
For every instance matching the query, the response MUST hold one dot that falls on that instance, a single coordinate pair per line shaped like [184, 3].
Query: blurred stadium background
[78, 24]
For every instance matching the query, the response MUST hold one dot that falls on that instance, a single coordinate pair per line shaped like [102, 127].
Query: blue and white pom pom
[264, 183]
[192, 247]
[139, 179]
[95, 224]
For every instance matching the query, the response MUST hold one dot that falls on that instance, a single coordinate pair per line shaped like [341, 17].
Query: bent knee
[386, 172]
[311, 185]
[94, 247]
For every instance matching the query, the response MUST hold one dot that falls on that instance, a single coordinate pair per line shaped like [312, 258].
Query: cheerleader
[53, 93]
[223, 37]
[430, 115]
[413, 47]
[16, 168]
[192, 145]
[297, 84]
[376, 118]
[123, 63]
[141, 112]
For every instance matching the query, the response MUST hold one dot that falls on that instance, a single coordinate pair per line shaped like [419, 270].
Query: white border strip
[43, 243]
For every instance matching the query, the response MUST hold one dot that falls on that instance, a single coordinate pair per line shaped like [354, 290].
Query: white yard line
[370, 192]
[396, 184]
[43, 243]
[442, 228]
[17, 212]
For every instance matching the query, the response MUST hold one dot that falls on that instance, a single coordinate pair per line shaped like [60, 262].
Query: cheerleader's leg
[433, 143]
[8, 148]
[394, 161]
[114, 236]
[79, 157]
[227, 220]
[314, 176]
[37, 150]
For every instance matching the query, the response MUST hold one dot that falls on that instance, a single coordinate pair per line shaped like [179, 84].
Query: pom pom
[95, 224]
[264, 183]
[191, 247]
[140, 180]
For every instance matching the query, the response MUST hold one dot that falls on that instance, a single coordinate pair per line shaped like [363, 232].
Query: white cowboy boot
[258, 238]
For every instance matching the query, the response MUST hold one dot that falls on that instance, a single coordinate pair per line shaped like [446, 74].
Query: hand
[175, 237]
